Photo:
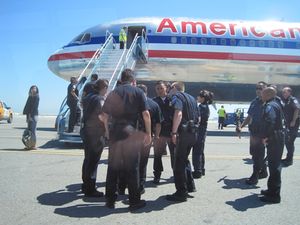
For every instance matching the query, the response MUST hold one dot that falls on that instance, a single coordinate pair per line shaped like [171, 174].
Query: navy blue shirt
[92, 108]
[255, 111]
[125, 103]
[272, 118]
[70, 98]
[204, 114]
[167, 113]
[289, 106]
[155, 114]
[188, 105]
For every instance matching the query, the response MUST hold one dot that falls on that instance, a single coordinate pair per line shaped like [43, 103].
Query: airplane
[226, 57]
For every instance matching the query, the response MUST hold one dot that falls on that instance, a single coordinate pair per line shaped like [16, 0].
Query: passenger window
[213, 41]
[232, 42]
[298, 45]
[261, 44]
[183, 40]
[174, 40]
[203, 41]
[242, 42]
[252, 43]
[223, 41]
[280, 44]
[194, 41]
[271, 44]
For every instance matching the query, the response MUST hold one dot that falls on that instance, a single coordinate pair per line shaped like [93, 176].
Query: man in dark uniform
[156, 119]
[160, 144]
[92, 134]
[291, 114]
[72, 100]
[273, 137]
[184, 135]
[124, 104]
[257, 149]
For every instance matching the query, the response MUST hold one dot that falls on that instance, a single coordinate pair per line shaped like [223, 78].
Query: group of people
[132, 122]
[273, 122]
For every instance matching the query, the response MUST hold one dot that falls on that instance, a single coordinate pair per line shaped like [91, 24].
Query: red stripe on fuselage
[191, 55]
[72, 55]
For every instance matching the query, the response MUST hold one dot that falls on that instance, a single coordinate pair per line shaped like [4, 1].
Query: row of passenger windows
[230, 42]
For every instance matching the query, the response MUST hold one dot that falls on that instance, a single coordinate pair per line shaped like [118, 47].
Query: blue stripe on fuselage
[155, 39]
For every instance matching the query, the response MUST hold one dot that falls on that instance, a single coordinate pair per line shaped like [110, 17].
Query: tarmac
[43, 186]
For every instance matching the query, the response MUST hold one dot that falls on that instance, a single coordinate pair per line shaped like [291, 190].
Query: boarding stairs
[108, 62]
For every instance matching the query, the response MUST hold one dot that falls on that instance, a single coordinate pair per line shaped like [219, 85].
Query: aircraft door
[132, 30]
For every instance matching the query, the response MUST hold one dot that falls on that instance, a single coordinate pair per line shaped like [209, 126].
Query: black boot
[253, 180]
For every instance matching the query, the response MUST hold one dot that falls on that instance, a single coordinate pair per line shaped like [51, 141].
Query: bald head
[268, 93]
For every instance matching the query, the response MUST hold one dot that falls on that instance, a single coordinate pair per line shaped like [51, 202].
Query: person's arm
[104, 118]
[157, 130]
[147, 122]
[176, 122]
[295, 117]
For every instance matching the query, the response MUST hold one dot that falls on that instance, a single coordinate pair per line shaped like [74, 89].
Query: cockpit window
[82, 38]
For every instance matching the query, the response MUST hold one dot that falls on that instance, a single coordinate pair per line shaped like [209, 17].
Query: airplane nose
[53, 64]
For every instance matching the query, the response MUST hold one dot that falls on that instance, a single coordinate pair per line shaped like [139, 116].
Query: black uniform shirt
[92, 108]
[70, 98]
[155, 114]
[188, 105]
[204, 114]
[125, 103]
[167, 113]
[289, 106]
[272, 118]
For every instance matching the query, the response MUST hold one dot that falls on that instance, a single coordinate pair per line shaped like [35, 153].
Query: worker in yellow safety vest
[222, 117]
[123, 37]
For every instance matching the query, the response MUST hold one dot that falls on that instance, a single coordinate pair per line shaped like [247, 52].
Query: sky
[32, 30]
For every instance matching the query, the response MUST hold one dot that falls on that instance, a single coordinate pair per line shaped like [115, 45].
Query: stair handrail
[96, 55]
[124, 61]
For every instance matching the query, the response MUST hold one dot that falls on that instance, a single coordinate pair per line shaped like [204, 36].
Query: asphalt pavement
[43, 186]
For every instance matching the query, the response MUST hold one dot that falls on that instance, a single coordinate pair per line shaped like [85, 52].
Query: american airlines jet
[227, 57]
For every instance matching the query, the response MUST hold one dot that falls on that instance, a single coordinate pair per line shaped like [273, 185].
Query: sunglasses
[258, 88]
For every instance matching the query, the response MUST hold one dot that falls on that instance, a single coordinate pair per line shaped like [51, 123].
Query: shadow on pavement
[38, 128]
[94, 207]
[248, 161]
[245, 203]
[238, 184]
[54, 143]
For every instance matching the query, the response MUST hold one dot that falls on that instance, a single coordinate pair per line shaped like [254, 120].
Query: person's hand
[265, 141]
[147, 139]
[174, 138]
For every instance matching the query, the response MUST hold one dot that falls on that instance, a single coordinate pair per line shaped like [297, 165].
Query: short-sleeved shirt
[289, 106]
[272, 118]
[255, 111]
[92, 108]
[188, 105]
[155, 114]
[125, 103]
[167, 113]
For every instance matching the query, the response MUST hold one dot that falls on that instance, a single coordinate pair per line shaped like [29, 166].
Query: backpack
[27, 138]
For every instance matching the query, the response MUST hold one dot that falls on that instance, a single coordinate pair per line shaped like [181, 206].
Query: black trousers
[290, 140]
[274, 154]
[198, 150]
[93, 142]
[73, 116]
[159, 148]
[183, 178]
[257, 151]
[143, 165]
[122, 44]
[124, 158]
